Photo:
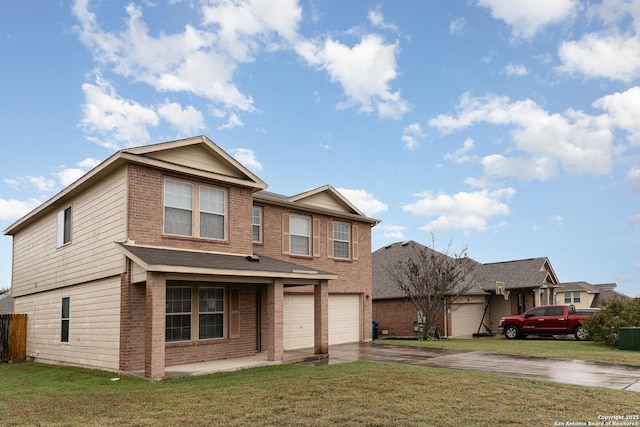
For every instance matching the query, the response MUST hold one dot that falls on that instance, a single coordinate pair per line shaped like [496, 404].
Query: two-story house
[173, 253]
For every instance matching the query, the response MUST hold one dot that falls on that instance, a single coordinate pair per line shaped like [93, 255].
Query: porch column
[321, 316]
[154, 338]
[275, 301]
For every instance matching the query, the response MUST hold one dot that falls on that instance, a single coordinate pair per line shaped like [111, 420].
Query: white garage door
[465, 319]
[344, 318]
[298, 320]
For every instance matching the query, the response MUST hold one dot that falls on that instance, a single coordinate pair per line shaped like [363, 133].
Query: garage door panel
[465, 319]
[344, 318]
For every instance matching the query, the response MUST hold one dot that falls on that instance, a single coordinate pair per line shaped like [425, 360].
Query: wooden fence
[13, 337]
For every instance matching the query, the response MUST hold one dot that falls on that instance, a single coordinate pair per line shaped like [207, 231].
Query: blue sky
[507, 127]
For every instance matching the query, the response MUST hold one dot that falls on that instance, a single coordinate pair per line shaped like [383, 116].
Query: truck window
[535, 312]
[554, 311]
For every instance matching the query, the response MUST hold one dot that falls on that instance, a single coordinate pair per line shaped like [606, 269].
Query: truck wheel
[511, 332]
[580, 333]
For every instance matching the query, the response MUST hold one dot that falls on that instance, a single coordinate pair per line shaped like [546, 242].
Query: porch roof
[168, 260]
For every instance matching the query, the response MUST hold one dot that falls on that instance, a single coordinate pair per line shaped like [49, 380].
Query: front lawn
[567, 348]
[358, 393]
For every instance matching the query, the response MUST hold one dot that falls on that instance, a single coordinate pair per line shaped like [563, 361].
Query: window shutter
[316, 237]
[354, 242]
[330, 239]
[286, 241]
[234, 313]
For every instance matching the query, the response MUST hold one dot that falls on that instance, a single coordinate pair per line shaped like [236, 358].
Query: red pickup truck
[545, 320]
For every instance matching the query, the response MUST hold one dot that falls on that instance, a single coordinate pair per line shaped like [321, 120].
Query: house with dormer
[174, 253]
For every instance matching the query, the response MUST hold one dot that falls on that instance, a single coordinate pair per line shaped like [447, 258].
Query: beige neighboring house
[524, 284]
[173, 253]
[586, 295]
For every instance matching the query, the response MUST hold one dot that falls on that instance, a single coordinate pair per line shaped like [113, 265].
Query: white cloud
[527, 18]
[633, 180]
[41, 183]
[376, 18]
[395, 232]
[187, 120]
[67, 176]
[457, 27]
[464, 211]
[247, 157]
[624, 110]
[517, 70]
[615, 57]
[410, 136]
[364, 201]
[112, 121]
[89, 163]
[232, 122]
[634, 221]
[556, 219]
[12, 209]
[577, 142]
[364, 71]
[460, 155]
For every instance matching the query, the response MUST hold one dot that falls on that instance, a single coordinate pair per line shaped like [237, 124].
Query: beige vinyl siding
[197, 157]
[326, 201]
[94, 324]
[98, 220]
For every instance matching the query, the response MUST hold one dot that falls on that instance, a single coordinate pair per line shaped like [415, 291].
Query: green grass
[358, 393]
[532, 346]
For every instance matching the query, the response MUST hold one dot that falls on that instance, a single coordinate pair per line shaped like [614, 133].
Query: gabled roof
[322, 199]
[200, 262]
[197, 156]
[526, 273]
[383, 286]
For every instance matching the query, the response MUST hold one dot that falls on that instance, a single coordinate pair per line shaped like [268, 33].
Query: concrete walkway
[558, 370]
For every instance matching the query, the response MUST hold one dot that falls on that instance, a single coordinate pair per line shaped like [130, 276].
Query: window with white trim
[571, 297]
[212, 212]
[200, 213]
[178, 208]
[257, 225]
[210, 313]
[63, 232]
[178, 314]
[300, 235]
[64, 319]
[341, 240]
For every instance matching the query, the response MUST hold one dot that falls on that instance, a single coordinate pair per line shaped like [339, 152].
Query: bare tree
[431, 279]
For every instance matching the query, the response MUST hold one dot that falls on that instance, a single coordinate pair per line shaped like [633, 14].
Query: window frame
[576, 297]
[65, 322]
[335, 240]
[222, 312]
[179, 313]
[196, 209]
[292, 234]
[259, 210]
[64, 226]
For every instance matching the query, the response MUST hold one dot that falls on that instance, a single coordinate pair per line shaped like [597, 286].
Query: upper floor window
[178, 208]
[257, 225]
[212, 212]
[571, 297]
[300, 233]
[341, 240]
[179, 202]
[63, 227]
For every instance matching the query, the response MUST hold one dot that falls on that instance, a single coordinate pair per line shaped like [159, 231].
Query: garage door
[466, 318]
[298, 320]
[344, 318]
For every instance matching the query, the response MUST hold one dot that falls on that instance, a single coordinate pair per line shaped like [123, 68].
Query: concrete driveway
[558, 370]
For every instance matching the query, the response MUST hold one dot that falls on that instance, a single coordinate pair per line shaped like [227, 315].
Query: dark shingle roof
[159, 258]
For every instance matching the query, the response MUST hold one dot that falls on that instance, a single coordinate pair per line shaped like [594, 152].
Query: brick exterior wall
[397, 316]
[132, 323]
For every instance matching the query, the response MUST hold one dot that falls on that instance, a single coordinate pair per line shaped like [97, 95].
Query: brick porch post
[275, 300]
[154, 341]
[321, 317]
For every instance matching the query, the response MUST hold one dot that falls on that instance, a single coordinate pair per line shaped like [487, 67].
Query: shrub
[603, 325]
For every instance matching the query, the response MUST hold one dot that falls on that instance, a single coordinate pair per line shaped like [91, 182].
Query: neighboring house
[172, 253]
[586, 295]
[6, 304]
[522, 284]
